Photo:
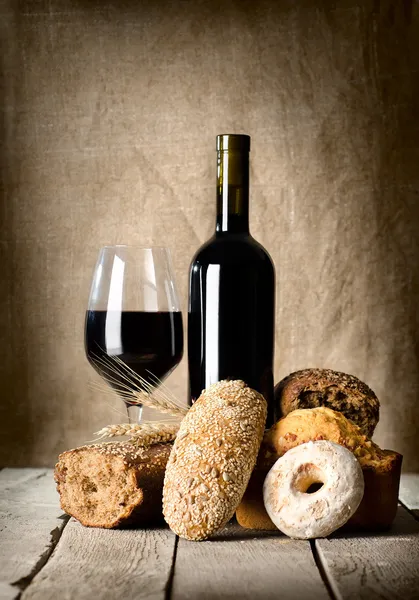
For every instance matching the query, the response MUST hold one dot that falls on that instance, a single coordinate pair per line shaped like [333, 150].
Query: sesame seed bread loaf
[345, 393]
[112, 484]
[212, 459]
[381, 468]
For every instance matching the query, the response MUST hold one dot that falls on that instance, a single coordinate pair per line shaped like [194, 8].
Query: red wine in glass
[133, 327]
[149, 343]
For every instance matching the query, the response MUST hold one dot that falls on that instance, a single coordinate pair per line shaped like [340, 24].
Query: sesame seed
[202, 498]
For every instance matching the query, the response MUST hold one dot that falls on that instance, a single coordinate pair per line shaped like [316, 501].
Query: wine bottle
[231, 318]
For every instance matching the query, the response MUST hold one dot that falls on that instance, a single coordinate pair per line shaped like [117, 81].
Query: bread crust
[310, 388]
[114, 484]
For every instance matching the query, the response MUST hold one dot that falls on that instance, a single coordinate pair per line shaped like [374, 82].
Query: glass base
[134, 413]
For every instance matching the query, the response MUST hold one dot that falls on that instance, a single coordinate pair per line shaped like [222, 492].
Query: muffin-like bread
[311, 388]
[305, 425]
[381, 468]
[112, 484]
[212, 459]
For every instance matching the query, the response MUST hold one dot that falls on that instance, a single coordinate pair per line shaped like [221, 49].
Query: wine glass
[133, 328]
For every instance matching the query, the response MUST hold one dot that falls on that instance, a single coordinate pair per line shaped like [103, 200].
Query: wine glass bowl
[133, 327]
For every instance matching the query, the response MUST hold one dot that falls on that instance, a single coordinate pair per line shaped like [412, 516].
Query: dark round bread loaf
[112, 484]
[345, 393]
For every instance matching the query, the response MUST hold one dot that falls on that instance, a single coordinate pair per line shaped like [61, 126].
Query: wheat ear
[143, 434]
[158, 401]
[134, 389]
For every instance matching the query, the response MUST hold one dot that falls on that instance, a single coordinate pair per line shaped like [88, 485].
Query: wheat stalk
[142, 434]
[158, 400]
[134, 389]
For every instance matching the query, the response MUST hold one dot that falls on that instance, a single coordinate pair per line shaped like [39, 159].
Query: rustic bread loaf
[212, 459]
[112, 484]
[311, 388]
[381, 468]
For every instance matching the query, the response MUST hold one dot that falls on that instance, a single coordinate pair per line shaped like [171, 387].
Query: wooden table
[45, 555]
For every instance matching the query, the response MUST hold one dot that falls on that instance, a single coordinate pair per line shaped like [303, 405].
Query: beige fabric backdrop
[110, 115]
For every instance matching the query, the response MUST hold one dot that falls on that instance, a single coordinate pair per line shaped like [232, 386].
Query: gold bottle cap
[232, 141]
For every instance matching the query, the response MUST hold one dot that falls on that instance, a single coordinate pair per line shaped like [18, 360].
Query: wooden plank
[409, 492]
[245, 564]
[31, 522]
[382, 565]
[106, 564]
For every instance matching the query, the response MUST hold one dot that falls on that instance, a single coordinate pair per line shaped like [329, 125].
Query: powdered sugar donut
[313, 489]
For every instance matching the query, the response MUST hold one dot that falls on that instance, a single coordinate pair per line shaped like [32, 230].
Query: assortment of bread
[209, 473]
[381, 468]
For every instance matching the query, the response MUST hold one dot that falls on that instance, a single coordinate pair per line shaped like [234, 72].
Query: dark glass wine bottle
[231, 321]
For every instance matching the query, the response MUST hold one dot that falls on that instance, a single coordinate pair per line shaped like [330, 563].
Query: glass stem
[134, 413]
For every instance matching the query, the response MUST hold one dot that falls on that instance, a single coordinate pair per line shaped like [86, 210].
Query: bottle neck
[232, 191]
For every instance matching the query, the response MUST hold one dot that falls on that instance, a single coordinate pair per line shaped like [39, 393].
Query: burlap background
[110, 115]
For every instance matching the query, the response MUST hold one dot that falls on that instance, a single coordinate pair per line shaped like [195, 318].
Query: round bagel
[313, 489]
